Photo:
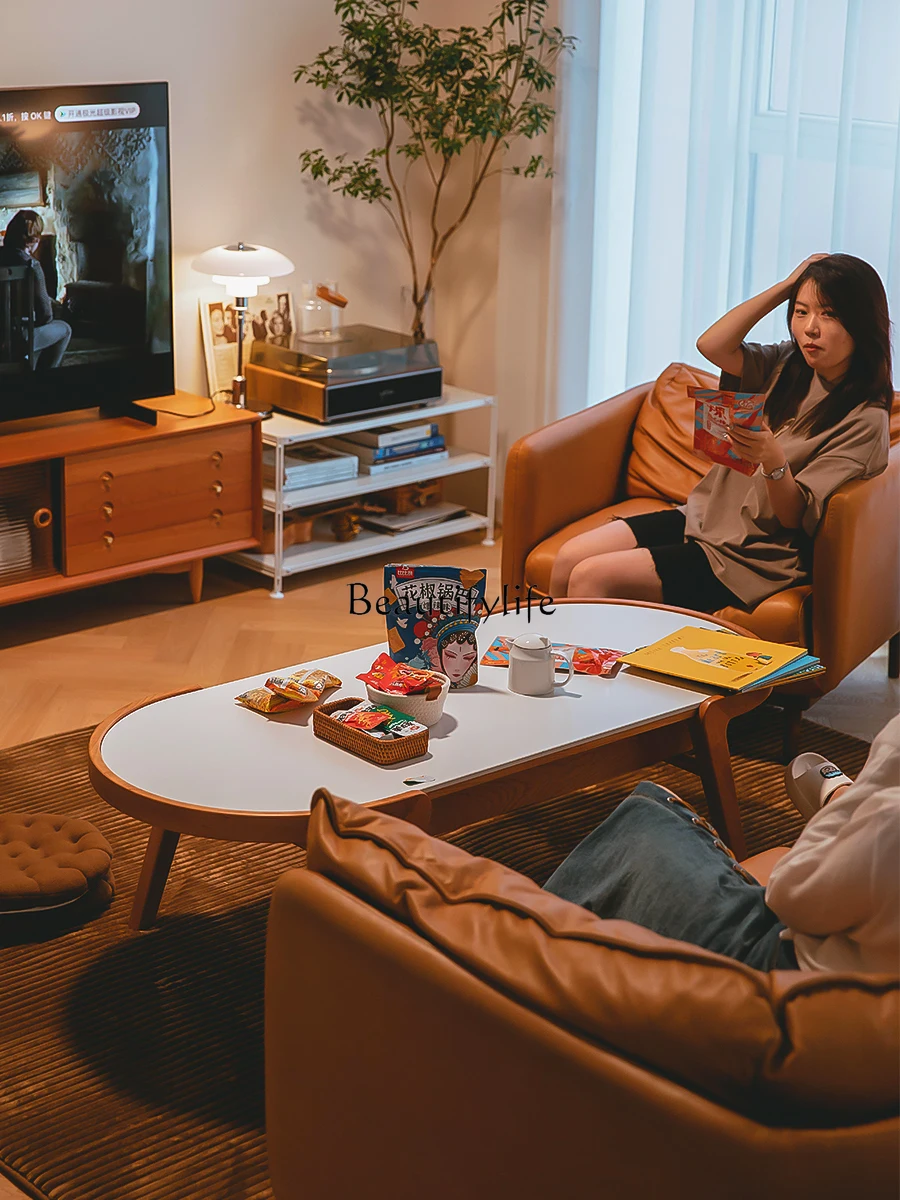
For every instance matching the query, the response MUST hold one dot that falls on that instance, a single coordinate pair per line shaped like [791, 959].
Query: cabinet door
[132, 503]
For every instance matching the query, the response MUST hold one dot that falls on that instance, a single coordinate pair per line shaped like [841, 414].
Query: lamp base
[239, 391]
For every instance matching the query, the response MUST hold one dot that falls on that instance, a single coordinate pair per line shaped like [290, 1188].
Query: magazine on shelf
[715, 412]
[374, 454]
[724, 659]
[419, 518]
[393, 435]
[392, 464]
[310, 464]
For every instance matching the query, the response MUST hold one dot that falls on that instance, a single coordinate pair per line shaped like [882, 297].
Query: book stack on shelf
[310, 464]
[382, 450]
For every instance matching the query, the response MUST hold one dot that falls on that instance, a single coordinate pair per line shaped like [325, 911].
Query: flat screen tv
[86, 253]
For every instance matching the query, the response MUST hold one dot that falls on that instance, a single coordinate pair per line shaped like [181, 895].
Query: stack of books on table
[393, 446]
[310, 464]
[725, 659]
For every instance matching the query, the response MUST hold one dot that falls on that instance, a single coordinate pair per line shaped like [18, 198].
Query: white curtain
[705, 147]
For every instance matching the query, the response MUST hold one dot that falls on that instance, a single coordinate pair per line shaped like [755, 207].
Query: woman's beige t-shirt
[730, 515]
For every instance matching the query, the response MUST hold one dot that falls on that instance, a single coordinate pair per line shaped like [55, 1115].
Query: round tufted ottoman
[47, 860]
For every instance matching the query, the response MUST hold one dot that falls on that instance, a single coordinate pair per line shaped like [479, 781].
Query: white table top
[203, 749]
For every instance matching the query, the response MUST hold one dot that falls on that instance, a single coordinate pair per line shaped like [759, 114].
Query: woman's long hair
[24, 226]
[855, 294]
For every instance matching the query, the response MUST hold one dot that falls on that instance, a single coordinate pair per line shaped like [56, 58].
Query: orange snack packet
[303, 686]
[263, 701]
[400, 679]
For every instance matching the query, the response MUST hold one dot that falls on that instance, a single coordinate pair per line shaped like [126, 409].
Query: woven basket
[357, 741]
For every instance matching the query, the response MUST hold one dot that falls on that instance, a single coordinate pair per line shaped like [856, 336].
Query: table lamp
[241, 269]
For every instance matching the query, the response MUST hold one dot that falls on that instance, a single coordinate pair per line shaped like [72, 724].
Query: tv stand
[128, 497]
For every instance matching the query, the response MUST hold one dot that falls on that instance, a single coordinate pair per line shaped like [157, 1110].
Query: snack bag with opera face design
[432, 618]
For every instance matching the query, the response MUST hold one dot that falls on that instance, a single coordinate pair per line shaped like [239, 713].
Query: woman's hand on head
[798, 270]
[757, 446]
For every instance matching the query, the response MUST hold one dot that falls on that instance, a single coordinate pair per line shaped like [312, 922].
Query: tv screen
[86, 253]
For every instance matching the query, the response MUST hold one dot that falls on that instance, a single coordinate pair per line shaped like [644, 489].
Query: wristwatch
[778, 473]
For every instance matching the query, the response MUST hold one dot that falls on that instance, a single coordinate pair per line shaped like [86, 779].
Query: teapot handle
[561, 658]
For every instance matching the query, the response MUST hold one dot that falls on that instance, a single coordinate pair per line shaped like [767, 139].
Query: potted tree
[439, 95]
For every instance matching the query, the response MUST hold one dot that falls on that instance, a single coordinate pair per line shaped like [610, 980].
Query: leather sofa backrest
[790, 1048]
[662, 463]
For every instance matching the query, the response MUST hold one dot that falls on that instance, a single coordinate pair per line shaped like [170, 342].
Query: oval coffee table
[195, 762]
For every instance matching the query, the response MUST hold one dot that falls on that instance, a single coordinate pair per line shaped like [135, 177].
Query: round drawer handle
[42, 518]
[109, 538]
[216, 516]
[107, 510]
[216, 459]
[218, 487]
[106, 479]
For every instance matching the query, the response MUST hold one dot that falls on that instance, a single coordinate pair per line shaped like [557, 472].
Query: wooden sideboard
[123, 498]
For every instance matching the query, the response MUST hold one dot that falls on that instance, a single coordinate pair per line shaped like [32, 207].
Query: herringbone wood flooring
[69, 661]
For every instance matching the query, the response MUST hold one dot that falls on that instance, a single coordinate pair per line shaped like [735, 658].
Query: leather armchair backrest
[662, 463]
[792, 1048]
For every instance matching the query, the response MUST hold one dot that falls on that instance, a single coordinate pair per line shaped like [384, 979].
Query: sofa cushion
[791, 1047]
[662, 463]
[539, 562]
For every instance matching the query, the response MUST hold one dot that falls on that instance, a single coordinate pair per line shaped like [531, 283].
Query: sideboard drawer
[143, 502]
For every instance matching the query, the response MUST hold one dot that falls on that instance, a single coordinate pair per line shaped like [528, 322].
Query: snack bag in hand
[715, 412]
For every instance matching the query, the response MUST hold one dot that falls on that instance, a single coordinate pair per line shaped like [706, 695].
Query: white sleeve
[842, 871]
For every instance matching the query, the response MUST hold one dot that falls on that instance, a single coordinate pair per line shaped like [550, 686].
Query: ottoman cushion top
[47, 859]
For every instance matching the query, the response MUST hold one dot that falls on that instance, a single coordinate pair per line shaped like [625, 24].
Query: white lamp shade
[255, 264]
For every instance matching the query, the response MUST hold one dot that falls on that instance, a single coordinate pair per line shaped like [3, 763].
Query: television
[85, 249]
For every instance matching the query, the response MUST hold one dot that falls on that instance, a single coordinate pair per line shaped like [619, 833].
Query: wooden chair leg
[154, 873]
[894, 657]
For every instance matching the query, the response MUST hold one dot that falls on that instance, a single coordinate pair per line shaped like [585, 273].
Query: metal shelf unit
[281, 432]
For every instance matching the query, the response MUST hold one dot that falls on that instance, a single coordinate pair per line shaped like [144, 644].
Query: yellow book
[723, 659]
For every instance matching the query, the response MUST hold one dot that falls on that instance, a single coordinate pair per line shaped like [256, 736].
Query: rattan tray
[374, 750]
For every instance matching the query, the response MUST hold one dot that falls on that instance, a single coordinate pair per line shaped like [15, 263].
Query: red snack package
[364, 716]
[400, 679]
[589, 661]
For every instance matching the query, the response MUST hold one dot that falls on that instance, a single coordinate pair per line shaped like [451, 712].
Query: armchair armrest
[567, 470]
[856, 572]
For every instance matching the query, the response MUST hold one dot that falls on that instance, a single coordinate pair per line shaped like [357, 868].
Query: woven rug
[132, 1064]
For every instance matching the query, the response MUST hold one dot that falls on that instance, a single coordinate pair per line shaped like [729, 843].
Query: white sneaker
[809, 780]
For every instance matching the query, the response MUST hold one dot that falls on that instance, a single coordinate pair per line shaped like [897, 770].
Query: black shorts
[688, 580]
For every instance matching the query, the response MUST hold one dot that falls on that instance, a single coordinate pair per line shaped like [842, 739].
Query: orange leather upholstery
[437, 1025]
[632, 454]
[762, 865]
[662, 463]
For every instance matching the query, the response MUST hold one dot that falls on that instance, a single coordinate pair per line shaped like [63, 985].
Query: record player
[360, 371]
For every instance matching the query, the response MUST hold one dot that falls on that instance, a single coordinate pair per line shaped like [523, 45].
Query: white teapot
[533, 663]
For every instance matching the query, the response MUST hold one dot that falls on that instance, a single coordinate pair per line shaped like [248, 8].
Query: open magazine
[715, 412]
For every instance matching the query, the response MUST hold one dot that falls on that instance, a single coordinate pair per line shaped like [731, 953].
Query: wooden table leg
[154, 873]
[195, 579]
[709, 730]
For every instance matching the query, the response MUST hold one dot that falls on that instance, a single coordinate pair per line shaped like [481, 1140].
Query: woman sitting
[740, 538]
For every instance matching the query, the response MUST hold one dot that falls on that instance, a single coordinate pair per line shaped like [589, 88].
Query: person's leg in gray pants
[50, 342]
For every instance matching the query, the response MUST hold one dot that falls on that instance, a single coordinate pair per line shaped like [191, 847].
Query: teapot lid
[531, 641]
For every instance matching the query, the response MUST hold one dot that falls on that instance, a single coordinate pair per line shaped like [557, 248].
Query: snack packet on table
[262, 700]
[378, 719]
[304, 686]
[401, 679]
[586, 660]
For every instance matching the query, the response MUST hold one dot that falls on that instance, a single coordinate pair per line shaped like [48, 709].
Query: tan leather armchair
[438, 1027]
[633, 454]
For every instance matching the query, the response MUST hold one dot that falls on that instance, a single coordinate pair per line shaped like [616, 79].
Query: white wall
[238, 124]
